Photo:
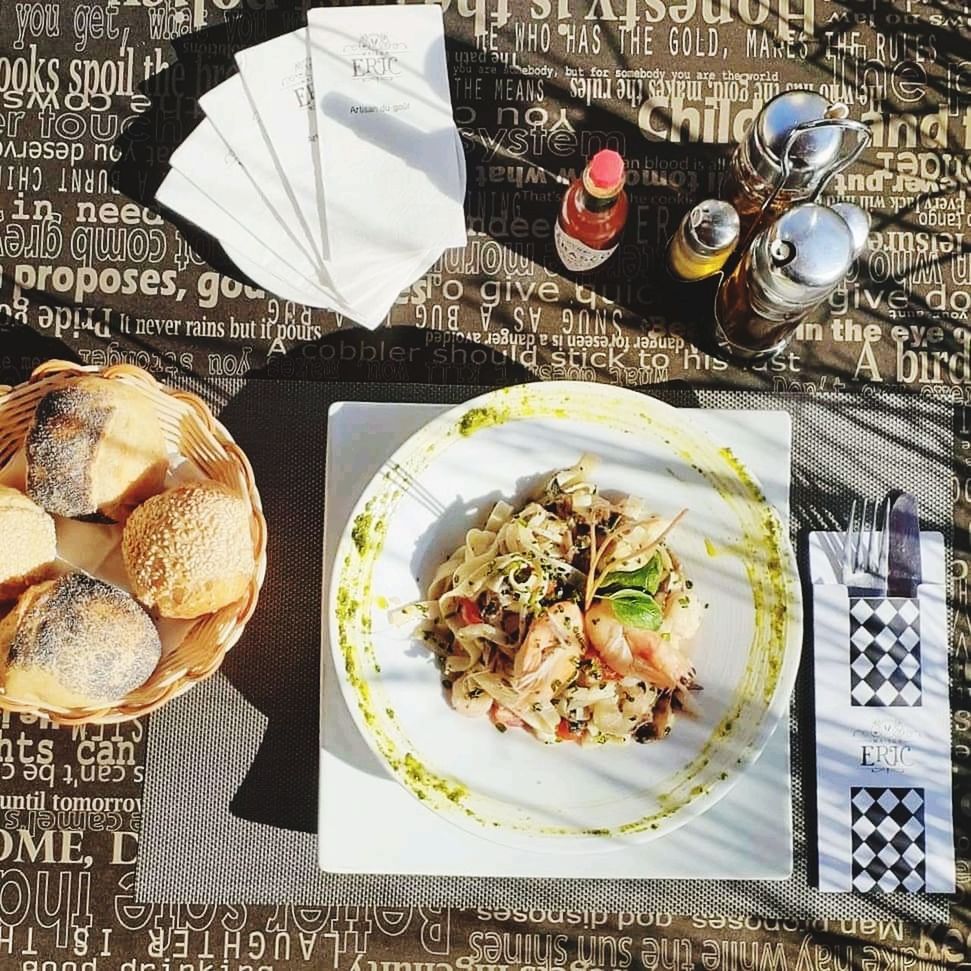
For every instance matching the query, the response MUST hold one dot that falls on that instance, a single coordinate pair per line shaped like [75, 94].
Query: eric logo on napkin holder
[883, 765]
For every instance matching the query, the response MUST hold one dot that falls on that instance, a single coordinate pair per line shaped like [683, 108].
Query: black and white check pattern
[887, 826]
[885, 652]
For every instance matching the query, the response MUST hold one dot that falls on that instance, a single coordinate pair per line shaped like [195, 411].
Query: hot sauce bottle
[593, 214]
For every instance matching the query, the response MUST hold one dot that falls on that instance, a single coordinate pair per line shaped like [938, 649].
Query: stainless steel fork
[866, 552]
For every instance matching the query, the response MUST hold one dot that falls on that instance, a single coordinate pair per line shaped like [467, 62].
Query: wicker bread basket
[190, 429]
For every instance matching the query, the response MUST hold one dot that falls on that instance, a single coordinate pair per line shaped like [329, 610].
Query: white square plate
[370, 824]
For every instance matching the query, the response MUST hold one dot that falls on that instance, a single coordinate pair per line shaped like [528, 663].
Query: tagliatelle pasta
[567, 617]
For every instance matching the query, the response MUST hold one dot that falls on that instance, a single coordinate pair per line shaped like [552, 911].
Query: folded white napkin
[332, 208]
[182, 196]
[232, 115]
[206, 161]
[386, 138]
[276, 76]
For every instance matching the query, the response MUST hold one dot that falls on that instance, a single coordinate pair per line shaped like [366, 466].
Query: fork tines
[866, 549]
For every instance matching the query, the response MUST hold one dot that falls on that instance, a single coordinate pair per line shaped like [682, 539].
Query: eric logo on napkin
[375, 57]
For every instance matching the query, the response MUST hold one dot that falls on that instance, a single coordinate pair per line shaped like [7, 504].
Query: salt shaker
[704, 240]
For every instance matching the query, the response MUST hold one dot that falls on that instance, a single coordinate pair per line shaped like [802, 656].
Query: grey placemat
[231, 779]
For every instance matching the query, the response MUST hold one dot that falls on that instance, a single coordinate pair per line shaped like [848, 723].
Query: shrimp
[682, 616]
[503, 716]
[550, 653]
[633, 651]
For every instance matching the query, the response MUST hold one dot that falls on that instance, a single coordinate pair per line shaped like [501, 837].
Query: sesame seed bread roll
[76, 642]
[94, 450]
[189, 551]
[28, 543]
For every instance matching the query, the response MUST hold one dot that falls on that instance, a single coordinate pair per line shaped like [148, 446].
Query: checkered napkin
[883, 767]
[885, 652]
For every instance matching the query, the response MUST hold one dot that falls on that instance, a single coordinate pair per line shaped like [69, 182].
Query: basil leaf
[647, 578]
[634, 608]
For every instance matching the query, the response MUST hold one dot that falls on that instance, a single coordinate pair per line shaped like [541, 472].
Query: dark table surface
[95, 97]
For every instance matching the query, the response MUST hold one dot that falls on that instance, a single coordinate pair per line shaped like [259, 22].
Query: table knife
[904, 553]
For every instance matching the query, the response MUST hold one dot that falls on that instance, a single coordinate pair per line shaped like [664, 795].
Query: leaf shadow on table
[521, 149]
[519, 165]
[22, 348]
[275, 666]
[633, 282]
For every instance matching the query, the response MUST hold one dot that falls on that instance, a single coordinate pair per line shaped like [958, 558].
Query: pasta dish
[567, 617]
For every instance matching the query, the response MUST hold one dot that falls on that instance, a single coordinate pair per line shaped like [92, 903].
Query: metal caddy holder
[841, 161]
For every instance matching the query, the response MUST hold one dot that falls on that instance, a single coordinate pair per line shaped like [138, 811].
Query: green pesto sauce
[771, 579]
[729, 456]
[476, 419]
[360, 531]
[353, 615]
[769, 582]
[347, 608]
[649, 822]
[421, 780]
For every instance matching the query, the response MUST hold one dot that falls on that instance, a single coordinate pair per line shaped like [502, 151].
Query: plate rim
[769, 720]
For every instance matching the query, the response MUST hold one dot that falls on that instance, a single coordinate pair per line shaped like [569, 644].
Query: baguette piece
[76, 642]
[94, 450]
[28, 543]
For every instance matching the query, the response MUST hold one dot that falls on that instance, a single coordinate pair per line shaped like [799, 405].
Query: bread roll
[76, 642]
[28, 543]
[94, 450]
[189, 551]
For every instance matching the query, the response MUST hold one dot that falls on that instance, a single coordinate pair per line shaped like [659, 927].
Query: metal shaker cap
[803, 255]
[859, 222]
[712, 226]
[811, 153]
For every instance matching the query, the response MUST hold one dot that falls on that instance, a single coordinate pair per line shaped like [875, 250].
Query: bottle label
[576, 255]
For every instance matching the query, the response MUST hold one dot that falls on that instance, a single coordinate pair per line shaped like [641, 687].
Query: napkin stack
[330, 168]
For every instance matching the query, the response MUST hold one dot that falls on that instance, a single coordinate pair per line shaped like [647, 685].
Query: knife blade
[904, 553]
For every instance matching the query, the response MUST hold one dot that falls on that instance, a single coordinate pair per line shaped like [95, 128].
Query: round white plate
[508, 786]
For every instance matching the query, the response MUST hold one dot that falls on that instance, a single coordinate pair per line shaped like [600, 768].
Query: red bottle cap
[606, 169]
